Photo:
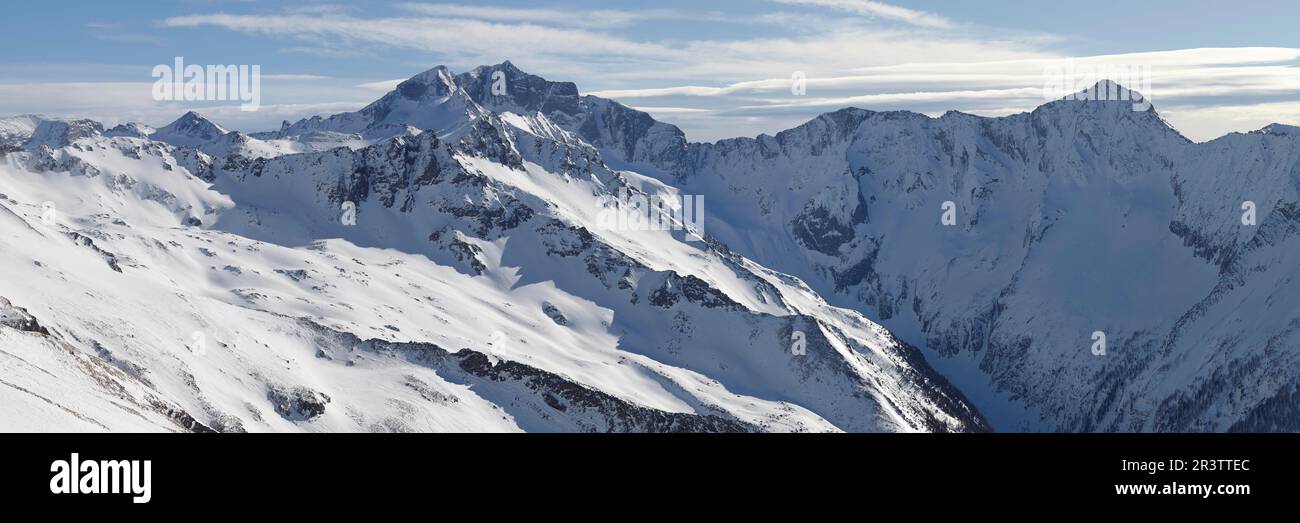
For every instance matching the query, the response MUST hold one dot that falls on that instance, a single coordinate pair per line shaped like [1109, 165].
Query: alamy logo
[1248, 213]
[499, 83]
[949, 216]
[102, 477]
[1098, 343]
[638, 212]
[798, 83]
[349, 216]
[200, 343]
[235, 83]
[49, 213]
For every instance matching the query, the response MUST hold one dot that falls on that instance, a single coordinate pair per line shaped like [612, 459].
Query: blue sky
[717, 69]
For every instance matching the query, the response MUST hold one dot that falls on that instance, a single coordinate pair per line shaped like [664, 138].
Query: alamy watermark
[499, 83]
[180, 82]
[49, 213]
[798, 343]
[1098, 343]
[349, 216]
[199, 343]
[1074, 81]
[949, 216]
[638, 212]
[77, 476]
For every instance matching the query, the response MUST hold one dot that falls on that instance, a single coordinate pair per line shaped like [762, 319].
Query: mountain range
[438, 261]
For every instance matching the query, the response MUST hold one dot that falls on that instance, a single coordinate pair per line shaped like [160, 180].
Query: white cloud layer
[589, 18]
[880, 56]
[871, 8]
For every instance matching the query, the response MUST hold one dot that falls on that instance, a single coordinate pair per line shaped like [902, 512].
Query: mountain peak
[18, 128]
[190, 129]
[61, 132]
[431, 84]
[1110, 91]
[518, 91]
[507, 66]
[432, 76]
[193, 118]
[1280, 129]
[130, 129]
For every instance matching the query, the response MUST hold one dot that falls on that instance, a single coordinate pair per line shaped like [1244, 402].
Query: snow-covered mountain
[1083, 216]
[190, 129]
[15, 130]
[438, 261]
[444, 267]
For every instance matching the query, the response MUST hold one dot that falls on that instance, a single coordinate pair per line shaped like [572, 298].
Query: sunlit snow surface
[184, 290]
[196, 279]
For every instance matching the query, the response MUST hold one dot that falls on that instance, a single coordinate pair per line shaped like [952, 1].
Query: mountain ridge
[498, 223]
[1081, 216]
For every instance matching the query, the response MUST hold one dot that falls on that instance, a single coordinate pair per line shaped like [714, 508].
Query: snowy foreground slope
[435, 262]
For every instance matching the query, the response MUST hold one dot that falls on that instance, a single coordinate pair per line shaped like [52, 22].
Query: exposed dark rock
[695, 291]
[17, 317]
[297, 403]
[293, 274]
[554, 313]
[561, 395]
[85, 241]
[816, 229]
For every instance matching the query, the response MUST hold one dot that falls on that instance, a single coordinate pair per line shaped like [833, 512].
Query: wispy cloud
[671, 110]
[880, 10]
[588, 18]
[719, 84]
[1208, 122]
[136, 38]
[112, 103]
[383, 85]
[462, 37]
[1185, 79]
[871, 100]
[544, 38]
[295, 77]
[115, 32]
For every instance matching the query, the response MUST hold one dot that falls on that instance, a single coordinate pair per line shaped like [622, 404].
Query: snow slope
[476, 291]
